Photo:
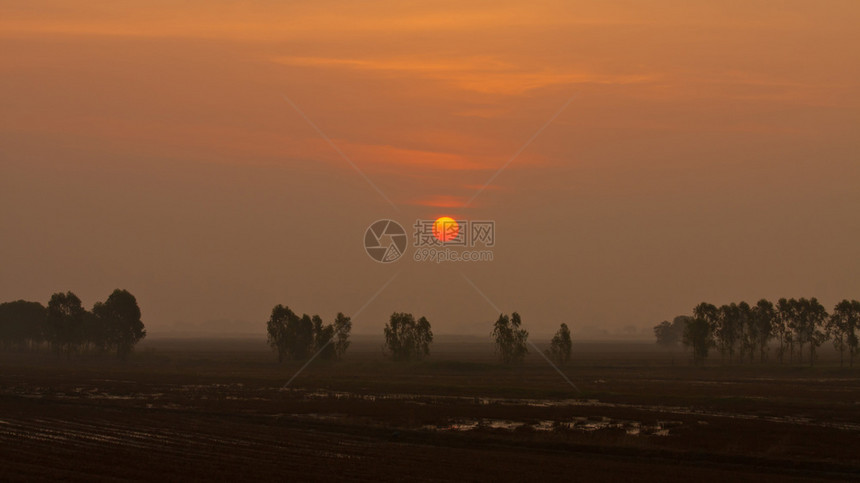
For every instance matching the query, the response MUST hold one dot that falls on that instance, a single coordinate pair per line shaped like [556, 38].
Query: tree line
[66, 327]
[298, 338]
[796, 328]
[406, 338]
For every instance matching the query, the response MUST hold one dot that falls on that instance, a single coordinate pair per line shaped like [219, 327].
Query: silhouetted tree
[785, 315]
[842, 324]
[761, 326]
[424, 337]
[276, 330]
[301, 336]
[118, 325]
[323, 338]
[729, 329]
[559, 349]
[96, 328]
[747, 340]
[813, 317]
[669, 334]
[64, 322]
[406, 339]
[698, 336]
[342, 328]
[709, 313]
[510, 338]
[796, 324]
[21, 324]
[852, 327]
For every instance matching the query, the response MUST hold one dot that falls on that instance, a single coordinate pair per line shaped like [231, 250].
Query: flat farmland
[219, 409]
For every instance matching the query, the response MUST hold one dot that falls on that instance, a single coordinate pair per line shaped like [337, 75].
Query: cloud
[370, 154]
[441, 201]
[483, 74]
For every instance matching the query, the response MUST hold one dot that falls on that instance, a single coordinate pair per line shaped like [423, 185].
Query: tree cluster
[68, 328]
[406, 338]
[297, 338]
[22, 325]
[742, 332]
[510, 338]
[559, 348]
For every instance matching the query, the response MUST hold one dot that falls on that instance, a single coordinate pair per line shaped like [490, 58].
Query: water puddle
[593, 403]
[583, 424]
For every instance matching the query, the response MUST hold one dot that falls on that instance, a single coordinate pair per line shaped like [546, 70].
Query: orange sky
[709, 153]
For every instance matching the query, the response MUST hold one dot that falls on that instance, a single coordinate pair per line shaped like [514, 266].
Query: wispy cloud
[371, 154]
[441, 201]
[482, 74]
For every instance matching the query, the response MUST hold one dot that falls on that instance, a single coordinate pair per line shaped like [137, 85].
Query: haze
[708, 153]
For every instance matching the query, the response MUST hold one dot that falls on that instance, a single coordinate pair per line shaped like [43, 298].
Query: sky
[217, 158]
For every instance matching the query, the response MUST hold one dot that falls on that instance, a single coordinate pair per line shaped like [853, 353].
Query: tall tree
[276, 330]
[813, 317]
[120, 320]
[301, 337]
[852, 328]
[762, 326]
[423, 337]
[678, 324]
[323, 338]
[698, 336]
[559, 348]
[842, 325]
[342, 328]
[64, 322]
[784, 323]
[96, 328]
[510, 338]
[747, 340]
[728, 329]
[797, 324]
[709, 313]
[399, 335]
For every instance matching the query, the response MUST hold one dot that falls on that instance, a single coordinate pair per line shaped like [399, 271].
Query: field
[218, 409]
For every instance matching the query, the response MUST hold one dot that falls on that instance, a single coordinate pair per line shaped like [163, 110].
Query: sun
[445, 229]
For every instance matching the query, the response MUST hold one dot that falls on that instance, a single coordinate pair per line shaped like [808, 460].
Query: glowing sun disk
[445, 229]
